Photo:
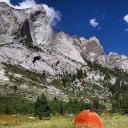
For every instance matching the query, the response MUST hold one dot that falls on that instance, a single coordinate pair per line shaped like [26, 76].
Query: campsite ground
[22, 121]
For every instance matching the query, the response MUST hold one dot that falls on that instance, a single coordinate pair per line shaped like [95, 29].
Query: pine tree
[61, 111]
[41, 106]
[14, 88]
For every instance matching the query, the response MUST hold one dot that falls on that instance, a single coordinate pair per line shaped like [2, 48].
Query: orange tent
[88, 118]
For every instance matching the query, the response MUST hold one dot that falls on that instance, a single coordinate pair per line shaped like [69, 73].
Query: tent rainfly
[88, 118]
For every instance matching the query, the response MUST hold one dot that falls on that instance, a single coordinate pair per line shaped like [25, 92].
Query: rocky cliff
[33, 57]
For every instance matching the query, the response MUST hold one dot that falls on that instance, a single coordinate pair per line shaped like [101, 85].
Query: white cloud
[93, 22]
[26, 4]
[126, 30]
[6, 1]
[126, 18]
[53, 15]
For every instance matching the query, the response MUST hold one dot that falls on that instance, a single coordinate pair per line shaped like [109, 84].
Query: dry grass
[20, 121]
[13, 118]
[117, 121]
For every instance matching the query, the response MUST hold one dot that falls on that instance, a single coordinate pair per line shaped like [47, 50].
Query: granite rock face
[31, 26]
[22, 29]
[114, 60]
[28, 40]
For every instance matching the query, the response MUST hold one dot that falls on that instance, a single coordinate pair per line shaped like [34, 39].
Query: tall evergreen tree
[41, 106]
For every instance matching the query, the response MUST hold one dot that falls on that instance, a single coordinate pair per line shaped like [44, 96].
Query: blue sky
[108, 23]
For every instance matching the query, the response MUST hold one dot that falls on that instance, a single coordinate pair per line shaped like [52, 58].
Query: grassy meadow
[21, 121]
